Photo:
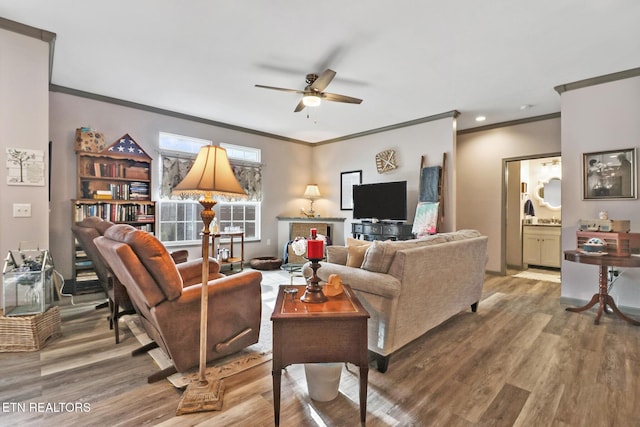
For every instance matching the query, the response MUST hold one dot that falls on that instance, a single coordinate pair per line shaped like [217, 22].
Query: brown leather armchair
[167, 298]
[85, 232]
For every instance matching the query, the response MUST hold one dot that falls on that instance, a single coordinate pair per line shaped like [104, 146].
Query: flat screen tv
[385, 201]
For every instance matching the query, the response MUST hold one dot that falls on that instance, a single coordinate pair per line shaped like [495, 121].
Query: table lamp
[312, 192]
[210, 174]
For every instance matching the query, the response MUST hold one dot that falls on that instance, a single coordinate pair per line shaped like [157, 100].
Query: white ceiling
[406, 59]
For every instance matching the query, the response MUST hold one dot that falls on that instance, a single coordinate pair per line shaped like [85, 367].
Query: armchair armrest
[234, 310]
[180, 256]
[191, 271]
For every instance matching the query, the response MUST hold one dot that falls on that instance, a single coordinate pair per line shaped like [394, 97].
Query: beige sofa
[411, 286]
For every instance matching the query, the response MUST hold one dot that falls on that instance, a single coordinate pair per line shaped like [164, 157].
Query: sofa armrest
[362, 280]
[191, 271]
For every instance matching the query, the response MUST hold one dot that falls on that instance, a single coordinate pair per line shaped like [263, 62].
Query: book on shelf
[102, 194]
[86, 276]
[136, 172]
[84, 264]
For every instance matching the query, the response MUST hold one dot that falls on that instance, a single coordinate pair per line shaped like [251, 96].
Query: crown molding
[509, 123]
[607, 78]
[36, 33]
[452, 114]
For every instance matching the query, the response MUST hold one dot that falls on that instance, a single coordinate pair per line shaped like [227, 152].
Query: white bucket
[323, 380]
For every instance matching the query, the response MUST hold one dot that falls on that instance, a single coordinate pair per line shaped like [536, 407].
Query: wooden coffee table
[332, 331]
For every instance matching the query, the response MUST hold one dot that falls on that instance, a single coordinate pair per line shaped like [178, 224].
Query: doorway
[531, 204]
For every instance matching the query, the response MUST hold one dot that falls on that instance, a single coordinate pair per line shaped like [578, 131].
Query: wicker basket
[29, 333]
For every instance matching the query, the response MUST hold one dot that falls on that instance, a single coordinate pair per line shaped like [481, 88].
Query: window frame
[254, 154]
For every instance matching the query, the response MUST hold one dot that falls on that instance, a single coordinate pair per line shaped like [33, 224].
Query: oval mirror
[548, 193]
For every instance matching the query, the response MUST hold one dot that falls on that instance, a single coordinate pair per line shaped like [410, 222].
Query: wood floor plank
[520, 360]
[505, 408]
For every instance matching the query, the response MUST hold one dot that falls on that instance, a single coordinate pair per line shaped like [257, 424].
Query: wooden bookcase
[115, 185]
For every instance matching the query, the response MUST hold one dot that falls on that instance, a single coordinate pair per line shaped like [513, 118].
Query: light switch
[22, 210]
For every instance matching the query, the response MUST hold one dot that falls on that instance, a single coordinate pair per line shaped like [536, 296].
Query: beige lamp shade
[211, 173]
[312, 191]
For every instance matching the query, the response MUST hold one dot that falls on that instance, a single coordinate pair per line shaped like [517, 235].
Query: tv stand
[381, 231]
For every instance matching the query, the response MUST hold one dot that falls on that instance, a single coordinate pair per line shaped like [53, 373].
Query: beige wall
[431, 139]
[285, 169]
[24, 120]
[288, 166]
[480, 176]
[597, 118]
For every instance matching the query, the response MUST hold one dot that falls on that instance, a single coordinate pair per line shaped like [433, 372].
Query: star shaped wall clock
[386, 161]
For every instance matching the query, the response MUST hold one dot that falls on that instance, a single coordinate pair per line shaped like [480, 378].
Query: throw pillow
[379, 256]
[355, 255]
[357, 242]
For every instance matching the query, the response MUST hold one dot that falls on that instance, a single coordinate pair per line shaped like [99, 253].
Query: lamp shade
[211, 173]
[312, 191]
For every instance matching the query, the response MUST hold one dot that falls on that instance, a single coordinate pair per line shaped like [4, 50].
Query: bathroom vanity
[541, 245]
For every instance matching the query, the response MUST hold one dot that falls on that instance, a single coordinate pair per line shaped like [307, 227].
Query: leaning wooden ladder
[440, 188]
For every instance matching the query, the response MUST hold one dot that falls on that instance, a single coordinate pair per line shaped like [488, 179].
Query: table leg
[277, 377]
[603, 299]
[609, 302]
[364, 374]
[594, 300]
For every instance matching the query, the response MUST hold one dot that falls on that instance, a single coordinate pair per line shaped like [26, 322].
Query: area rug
[249, 357]
[533, 275]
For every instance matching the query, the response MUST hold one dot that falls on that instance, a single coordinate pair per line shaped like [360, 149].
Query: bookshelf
[115, 185]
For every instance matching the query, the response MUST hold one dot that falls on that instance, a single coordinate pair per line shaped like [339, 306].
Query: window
[179, 218]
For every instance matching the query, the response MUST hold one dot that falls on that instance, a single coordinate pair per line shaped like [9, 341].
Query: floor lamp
[210, 174]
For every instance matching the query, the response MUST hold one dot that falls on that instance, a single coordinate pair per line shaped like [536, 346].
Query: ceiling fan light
[311, 100]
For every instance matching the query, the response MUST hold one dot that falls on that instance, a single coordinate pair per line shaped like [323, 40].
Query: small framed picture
[347, 181]
[609, 175]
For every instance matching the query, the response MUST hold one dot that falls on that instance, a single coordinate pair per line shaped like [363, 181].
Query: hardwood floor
[520, 360]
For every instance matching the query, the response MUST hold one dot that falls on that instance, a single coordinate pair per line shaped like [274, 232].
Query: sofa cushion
[337, 254]
[355, 255]
[379, 256]
[357, 242]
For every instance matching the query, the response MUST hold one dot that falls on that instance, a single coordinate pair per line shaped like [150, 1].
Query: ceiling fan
[313, 92]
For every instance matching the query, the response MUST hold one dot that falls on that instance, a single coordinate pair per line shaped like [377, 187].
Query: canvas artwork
[426, 219]
[25, 167]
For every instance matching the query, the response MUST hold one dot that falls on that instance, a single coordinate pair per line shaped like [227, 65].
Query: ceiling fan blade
[299, 107]
[280, 88]
[341, 98]
[323, 80]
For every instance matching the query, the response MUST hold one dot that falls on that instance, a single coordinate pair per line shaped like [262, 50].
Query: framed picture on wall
[347, 181]
[609, 175]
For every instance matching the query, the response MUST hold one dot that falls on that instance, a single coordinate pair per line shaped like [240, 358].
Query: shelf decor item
[210, 174]
[88, 139]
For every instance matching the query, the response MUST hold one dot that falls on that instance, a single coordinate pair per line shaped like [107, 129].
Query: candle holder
[313, 292]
